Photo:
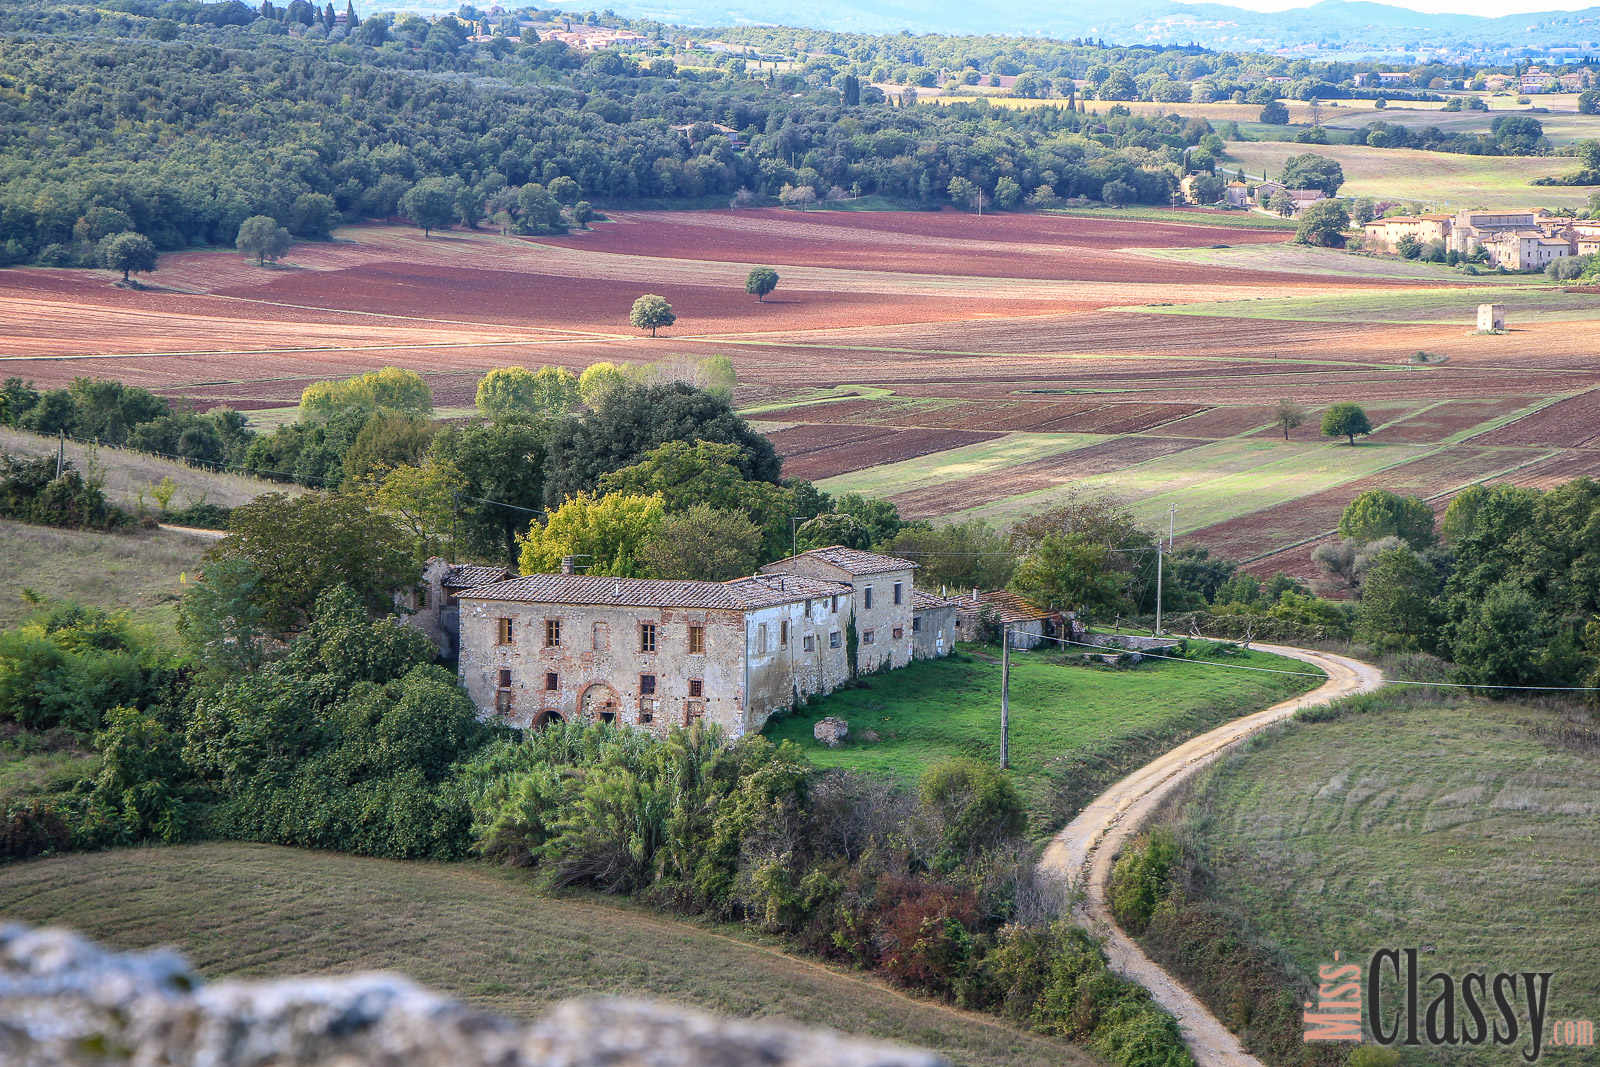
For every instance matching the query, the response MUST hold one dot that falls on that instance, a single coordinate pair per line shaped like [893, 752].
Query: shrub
[1141, 878]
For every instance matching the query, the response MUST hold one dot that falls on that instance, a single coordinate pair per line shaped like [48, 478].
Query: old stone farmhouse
[656, 654]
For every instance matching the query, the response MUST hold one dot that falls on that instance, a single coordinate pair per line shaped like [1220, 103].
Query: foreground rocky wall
[66, 1002]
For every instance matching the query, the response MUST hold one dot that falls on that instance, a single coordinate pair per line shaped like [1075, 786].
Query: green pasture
[1186, 216]
[985, 457]
[1444, 826]
[1529, 302]
[1561, 127]
[1445, 180]
[1327, 263]
[935, 710]
[1221, 480]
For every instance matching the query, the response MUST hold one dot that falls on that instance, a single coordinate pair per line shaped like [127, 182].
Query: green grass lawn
[137, 571]
[1446, 826]
[1447, 180]
[1187, 216]
[478, 933]
[1073, 729]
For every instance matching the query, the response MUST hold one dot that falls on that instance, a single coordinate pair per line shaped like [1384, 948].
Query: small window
[552, 633]
[608, 716]
[783, 634]
[833, 605]
[899, 632]
[422, 596]
[647, 684]
[503, 632]
[808, 609]
[504, 680]
[552, 681]
[808, 643]
[503, 701]
[697, 639]
[693, 710]
[833, 639]
[761, 638]
[647, 637]
[697, 687]
[916, 625]
[897, 586]
[869, 637]
[866, 598]
[602, 637]
[647, 710]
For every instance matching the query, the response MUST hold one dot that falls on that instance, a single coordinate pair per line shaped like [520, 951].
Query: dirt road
[1084, 850]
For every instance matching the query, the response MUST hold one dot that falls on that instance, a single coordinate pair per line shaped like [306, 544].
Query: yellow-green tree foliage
[607, 533]
[518, 393]
[600, 380]
[388, 389]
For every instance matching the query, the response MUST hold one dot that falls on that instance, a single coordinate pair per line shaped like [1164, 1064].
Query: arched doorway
[545, 718]
[599, 703]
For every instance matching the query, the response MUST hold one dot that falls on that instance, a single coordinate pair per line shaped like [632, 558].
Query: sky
[1487, 8]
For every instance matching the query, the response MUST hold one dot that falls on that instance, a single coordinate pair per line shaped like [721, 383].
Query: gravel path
[1083, 852]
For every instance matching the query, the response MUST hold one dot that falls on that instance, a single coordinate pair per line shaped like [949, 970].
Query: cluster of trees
[105, 136]
[107, 412]
[1504, 594]
[1509, 135]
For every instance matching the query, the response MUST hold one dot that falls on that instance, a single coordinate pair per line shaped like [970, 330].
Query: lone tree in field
[431, 207]
[126, 252]
[1287, 415]
[262, 237]
[762, 280]
[1345, 420]
[651, 312]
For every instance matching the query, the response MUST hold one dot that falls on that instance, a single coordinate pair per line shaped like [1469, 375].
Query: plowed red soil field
[815, 452]
[1013, 246]
[1559, 468]
[1040, 474]
[1453, 417]
[1570, 423]
[1318, 513]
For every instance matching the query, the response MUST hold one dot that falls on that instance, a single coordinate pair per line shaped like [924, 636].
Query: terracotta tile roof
[1007, 605]
[470, 576]
[765, 590]
[852, 560]
[741, 594]
[924, 601]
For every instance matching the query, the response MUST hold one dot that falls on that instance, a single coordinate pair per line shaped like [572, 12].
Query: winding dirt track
[1083, 852]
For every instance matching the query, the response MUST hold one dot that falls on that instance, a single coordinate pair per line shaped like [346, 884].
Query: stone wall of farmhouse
[933, 632]
[795, 650]
[600, 664]
[883, 619]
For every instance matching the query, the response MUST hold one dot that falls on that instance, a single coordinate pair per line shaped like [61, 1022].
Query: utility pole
[1005, 696]
[794, 540]
[61, 452]
[1172, 518]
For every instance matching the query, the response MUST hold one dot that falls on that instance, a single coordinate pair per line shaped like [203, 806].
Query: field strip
[966, 461]
[1211, 483]
[1431, 497]
[1507, 420]
[1082, 854]
[421, 345]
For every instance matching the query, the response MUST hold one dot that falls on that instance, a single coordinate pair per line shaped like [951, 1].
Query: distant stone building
[652, 653]
[933, 625]
[1491, 318]
[1238, 194]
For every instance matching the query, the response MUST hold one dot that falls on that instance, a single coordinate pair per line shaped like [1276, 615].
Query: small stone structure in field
[1491, 318]
[831, 731]
[66, 1002]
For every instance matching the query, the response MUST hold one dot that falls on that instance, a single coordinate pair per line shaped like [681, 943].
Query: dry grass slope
[478, 933]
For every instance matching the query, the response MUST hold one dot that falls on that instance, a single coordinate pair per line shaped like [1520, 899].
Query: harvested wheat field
[957, 364]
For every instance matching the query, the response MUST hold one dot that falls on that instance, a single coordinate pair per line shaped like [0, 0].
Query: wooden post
[1005, 696]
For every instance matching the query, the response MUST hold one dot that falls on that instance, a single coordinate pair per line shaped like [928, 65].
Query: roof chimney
[616, 587]
[566, 565]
